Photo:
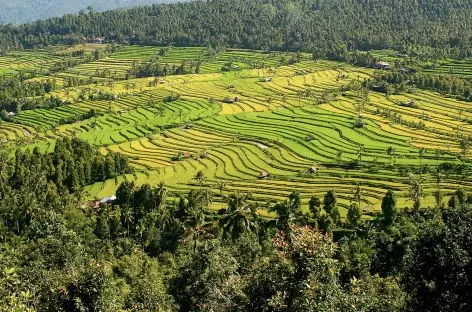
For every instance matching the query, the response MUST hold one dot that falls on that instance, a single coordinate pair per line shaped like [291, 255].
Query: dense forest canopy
[311, 25]
[23, 11]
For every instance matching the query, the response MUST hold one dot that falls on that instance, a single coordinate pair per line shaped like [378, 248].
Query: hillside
[435, 28]
[238, 155]
[23, 11]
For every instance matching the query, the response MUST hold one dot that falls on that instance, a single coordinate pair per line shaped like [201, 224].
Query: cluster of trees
[146, 252]
[14, 92]
[328, 28]
[154, 68]
[398, 81]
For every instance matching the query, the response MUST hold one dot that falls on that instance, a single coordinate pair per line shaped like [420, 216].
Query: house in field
[382, 65]
[312, 170]
[11, 114]
[268, 79]
[108, 200]
[264, 175]
[98, 40]
[409, 103]
[186, 154]
[309, 138]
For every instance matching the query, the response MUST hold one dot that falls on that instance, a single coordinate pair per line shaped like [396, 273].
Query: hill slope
[22, 11]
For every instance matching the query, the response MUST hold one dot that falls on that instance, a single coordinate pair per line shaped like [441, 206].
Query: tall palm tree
[421, 152]
[416, 192]
[357, 195]
[221, 185]
[288, 213]
[391, 152]
[241, 216]
[199, 177]
[194, 224]
[127, 215]
[360, 153]
[161, 194]
[339, 156]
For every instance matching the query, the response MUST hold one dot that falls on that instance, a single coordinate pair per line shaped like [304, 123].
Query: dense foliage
[22, 11]
[325, 27]
[146, 252]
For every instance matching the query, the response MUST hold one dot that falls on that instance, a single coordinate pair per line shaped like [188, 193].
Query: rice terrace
[263, 122]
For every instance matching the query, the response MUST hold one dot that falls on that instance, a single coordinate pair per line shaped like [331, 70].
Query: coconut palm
[199, 177]
[360, 153]
[221, 185]
[421, 152]
[416, 192]
[241, 216]
[357, 195]
[339, 157]
[161, 194]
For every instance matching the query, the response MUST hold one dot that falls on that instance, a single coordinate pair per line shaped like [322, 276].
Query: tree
[315, 207]
[161, 194]
[357, 195]
[221, 185]
[200, 177]
[288, 211]
[416, 192]
[436, 269]
[339, 157]
[391, 153]
[354, 215]
[389, 208]
[360, 153]
[241, 216]
[330, 206]
[421, 153]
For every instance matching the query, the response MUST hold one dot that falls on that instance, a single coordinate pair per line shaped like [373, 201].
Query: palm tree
[288, 211]
[221, 185]
[127, 215]
[391, 153]
[357, 195]
[339, 156]
[199, 177]
[360, 153]
[161, 194]
[194, 224]
[416, 192]
[421, 152]
[241, 216]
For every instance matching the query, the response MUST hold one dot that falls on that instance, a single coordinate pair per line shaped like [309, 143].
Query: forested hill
[324, 25]
[22, 11]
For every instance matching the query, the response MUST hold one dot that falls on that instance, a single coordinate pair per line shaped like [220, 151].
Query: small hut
[264, 175]
[382, 65]
[312, 170]
[309, 138]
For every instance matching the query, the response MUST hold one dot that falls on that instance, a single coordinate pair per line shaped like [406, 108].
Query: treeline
[14, 93]
[433, 29]
[399, 81]
[148, 252]
[31, 181]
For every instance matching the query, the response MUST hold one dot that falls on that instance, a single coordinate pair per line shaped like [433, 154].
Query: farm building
[382, 65]
[98, 40]
[409, 103]
[186, 154]
[309, 138]
[108, 200]
[267, 79]
[312, 170]
[264, 175]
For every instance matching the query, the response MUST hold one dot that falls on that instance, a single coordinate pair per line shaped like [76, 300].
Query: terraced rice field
[263, 117]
